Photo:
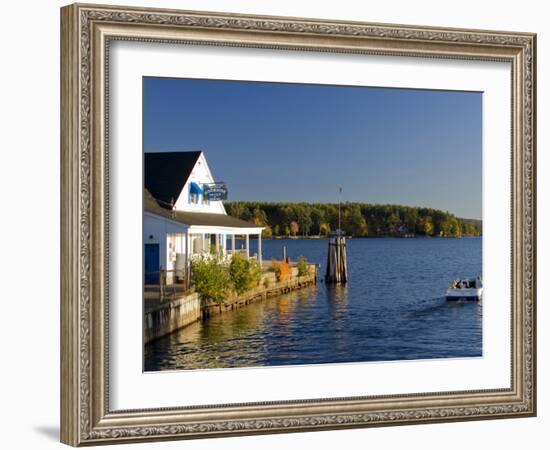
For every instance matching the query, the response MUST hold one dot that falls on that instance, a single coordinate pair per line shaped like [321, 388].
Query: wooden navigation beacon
[337, 264]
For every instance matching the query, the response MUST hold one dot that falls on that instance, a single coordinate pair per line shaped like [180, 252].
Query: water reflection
[337, 296]
[234, 339]
[337, 301]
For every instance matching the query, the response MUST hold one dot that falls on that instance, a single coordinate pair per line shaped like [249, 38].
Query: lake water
[392, 308]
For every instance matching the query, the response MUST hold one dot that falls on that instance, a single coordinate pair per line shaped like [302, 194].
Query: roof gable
[166, 173]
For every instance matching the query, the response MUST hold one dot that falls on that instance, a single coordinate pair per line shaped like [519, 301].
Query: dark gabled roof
[152, 206]
[166, 173]
[194, 218]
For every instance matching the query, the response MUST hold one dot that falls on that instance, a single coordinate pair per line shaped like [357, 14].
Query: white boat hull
[465, 294]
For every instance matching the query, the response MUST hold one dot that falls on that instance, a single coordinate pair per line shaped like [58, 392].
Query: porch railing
[157, 283]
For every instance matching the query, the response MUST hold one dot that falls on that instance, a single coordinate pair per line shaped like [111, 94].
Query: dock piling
[337, 266]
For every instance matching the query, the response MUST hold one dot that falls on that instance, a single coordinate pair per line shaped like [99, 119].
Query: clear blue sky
[299, 142]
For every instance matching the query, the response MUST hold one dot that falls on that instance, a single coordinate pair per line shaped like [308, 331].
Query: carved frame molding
[86, 32]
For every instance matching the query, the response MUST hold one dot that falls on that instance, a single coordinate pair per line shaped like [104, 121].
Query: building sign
[215, 191]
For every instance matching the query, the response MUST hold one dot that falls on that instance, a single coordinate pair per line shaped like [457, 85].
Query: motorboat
[465, 289]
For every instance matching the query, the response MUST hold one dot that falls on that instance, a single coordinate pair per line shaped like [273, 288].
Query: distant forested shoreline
[358, 220]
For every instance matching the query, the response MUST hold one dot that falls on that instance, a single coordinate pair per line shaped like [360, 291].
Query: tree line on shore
[357, 219]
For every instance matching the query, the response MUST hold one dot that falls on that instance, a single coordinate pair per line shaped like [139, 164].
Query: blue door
[152, 263]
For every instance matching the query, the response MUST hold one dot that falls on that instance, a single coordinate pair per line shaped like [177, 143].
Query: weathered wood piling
[337, 265]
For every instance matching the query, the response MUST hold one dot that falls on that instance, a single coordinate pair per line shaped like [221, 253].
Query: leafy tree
[317, 218]
[324, 229]
[267, 232]
[455, 229]
[259, 216]
[410, 218]
[428, 226]
[355, 223]
[446, 228]
[301, 215]
[392, 223]
[294, 228]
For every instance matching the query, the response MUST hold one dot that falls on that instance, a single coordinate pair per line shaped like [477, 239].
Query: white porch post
[217, 242]
[203, 244]
[260, 248]
[247, 246]
[186, 248]
[187, 258]
[233, 243]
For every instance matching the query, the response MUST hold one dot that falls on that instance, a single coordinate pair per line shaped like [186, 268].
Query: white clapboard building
[183, 215]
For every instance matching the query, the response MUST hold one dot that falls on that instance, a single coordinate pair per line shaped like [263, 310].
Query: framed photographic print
[276, 224]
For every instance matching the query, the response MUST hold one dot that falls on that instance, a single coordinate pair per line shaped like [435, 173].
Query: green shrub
[210, 278]
[245, 273]
[255, 272]
[302, 267]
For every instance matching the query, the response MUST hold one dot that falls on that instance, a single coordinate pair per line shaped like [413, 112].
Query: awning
[194, 188]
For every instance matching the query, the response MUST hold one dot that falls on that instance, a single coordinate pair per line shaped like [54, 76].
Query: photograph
[294, 224]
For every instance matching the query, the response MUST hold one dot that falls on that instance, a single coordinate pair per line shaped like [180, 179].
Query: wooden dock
[162, 317]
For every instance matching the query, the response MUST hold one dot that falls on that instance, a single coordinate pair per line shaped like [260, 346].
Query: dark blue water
[392, 308]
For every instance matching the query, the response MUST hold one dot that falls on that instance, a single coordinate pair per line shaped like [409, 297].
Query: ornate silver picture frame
[87, 32]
